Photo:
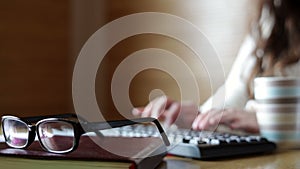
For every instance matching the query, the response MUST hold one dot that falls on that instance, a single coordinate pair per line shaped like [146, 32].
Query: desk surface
[280, 160]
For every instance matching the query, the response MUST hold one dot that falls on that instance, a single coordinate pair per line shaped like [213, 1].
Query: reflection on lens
[56, 136]
[15, 132]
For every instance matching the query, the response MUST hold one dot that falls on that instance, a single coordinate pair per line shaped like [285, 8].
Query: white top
[234, 93]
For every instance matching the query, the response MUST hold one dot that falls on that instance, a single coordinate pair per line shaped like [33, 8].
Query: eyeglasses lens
[16, 133]
[56, 136]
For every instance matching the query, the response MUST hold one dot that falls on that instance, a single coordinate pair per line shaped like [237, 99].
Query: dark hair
[282, 46]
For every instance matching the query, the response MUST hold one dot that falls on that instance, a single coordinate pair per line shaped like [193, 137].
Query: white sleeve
[234, 92]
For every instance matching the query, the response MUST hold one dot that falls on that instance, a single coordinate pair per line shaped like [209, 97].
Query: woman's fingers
[227, 116]
[147, 110]
[186, 115]
[195, 125]
[159, 106]
[233, 118]
[169, 111]
[171, 114]
[246, 121]
[201, 122]
[156, 108]
[152, 109]
[212, 119]
[137, 111]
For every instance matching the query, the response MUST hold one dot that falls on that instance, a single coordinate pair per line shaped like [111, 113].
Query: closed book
[132, 153]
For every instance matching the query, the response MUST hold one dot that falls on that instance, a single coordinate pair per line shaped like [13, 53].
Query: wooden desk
[279, 160]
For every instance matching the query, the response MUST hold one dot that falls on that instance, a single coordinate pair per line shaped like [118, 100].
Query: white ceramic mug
[278, 109]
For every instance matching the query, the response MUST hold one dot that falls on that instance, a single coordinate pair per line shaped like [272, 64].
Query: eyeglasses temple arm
[94, 126]
[162, 132]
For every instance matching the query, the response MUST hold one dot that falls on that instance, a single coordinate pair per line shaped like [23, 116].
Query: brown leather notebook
[138, 153]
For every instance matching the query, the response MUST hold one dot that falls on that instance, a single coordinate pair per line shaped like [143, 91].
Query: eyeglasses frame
[80, 127]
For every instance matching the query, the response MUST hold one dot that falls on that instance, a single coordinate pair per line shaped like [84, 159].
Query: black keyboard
[201, 144]
[207, 145]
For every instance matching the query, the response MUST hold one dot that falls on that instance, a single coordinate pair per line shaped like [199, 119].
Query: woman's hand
[233, 118]
[169, 111]
[186, 115]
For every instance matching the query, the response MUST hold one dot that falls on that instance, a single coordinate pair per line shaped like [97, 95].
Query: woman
[271, 49]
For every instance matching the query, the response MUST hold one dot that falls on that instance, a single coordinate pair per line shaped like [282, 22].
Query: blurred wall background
[40, 40]
[35, 57]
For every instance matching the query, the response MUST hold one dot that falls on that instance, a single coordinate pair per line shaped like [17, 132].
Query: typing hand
[169, 111]
[233, 118]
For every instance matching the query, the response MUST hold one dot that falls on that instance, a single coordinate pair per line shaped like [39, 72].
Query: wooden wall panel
[34, 57]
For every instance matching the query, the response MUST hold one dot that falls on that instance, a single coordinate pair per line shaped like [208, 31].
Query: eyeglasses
[57, 134]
